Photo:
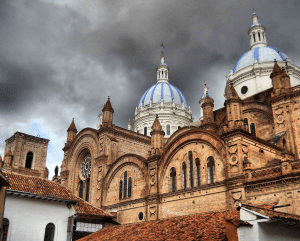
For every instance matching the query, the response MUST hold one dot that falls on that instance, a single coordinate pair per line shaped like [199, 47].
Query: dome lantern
[257, 34]
[162, 71]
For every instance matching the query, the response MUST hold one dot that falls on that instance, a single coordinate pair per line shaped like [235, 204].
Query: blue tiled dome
[165, 92]
[262, 54]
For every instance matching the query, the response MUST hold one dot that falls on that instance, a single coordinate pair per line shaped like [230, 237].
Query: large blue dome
[165, 92]
[262, 54]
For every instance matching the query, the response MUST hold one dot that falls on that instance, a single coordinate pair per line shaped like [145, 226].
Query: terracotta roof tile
[271, 213]
[207, 226]
[48, 188]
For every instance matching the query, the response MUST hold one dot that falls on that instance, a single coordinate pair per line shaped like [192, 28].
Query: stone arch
[191, 137]
[136, 163]
[86, 141]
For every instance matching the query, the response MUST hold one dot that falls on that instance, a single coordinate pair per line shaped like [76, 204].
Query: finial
[56, 171]
[275, 61]
[254, 18]
[108, 97]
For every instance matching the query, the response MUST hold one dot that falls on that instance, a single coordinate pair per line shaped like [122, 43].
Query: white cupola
[257, 34]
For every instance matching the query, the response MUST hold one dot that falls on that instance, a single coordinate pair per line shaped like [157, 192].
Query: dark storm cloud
[59, 61]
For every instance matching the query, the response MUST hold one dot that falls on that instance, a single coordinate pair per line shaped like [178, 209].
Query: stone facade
[247, 152]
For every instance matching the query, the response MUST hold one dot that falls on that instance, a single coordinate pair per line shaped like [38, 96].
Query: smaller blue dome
[163, 92]
[261, 54]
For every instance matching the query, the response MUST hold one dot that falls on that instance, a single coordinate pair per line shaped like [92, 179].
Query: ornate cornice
[250, 136]
[125, 203]
[278, 180]
[118, 131]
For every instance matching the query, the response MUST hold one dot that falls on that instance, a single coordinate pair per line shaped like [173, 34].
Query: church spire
[162, 70]
[257, 34]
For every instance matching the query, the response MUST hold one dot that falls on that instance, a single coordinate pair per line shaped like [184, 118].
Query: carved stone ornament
[245, 148]
[236, 195]
[232, 149]
[280, 119]
[86, 166]
[233, 160]
[278, 111]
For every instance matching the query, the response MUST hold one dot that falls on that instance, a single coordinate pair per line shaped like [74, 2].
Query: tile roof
[271, 213]
[48, 188]
[207, 226]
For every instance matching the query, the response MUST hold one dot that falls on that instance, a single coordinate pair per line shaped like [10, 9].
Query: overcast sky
[60, 59]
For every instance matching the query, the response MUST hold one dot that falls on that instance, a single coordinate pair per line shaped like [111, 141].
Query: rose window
[86, 166]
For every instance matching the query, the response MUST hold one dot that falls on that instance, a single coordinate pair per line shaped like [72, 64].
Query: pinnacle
[156, 125]
[72, 127]
[107, 106]
[276, 70]
[8, 153]
[232, 94]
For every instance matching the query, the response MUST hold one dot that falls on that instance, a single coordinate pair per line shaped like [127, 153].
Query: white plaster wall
[28, 218]
[246, 234]
[275, 232]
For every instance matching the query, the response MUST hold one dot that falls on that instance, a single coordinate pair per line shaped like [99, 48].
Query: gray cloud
[60, 59]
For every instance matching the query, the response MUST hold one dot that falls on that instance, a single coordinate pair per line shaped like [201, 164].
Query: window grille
[211, 175]
[168, 130]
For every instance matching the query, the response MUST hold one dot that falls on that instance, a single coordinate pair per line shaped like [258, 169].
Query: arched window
[259, 36]
[49, 232]
[87, 192]
[80, 189]
[254, 38]
[211, 174]
[252, 129]
[145, 131]
[178, 127]
[246, 123]
[29, 158]
[5, 229]
[168, 129]
[173, 179]
[198, 172]
[120, 189]
[129, 186]
[191, 169]
[125, 185]
[184, 175]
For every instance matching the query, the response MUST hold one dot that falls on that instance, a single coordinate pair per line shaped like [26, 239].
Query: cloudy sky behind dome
[60, 59]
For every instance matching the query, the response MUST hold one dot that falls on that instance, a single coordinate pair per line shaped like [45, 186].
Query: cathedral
[165, 165]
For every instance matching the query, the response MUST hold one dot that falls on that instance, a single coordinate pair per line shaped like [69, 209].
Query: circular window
[244, 90]
[86, 166]
[141, 216]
